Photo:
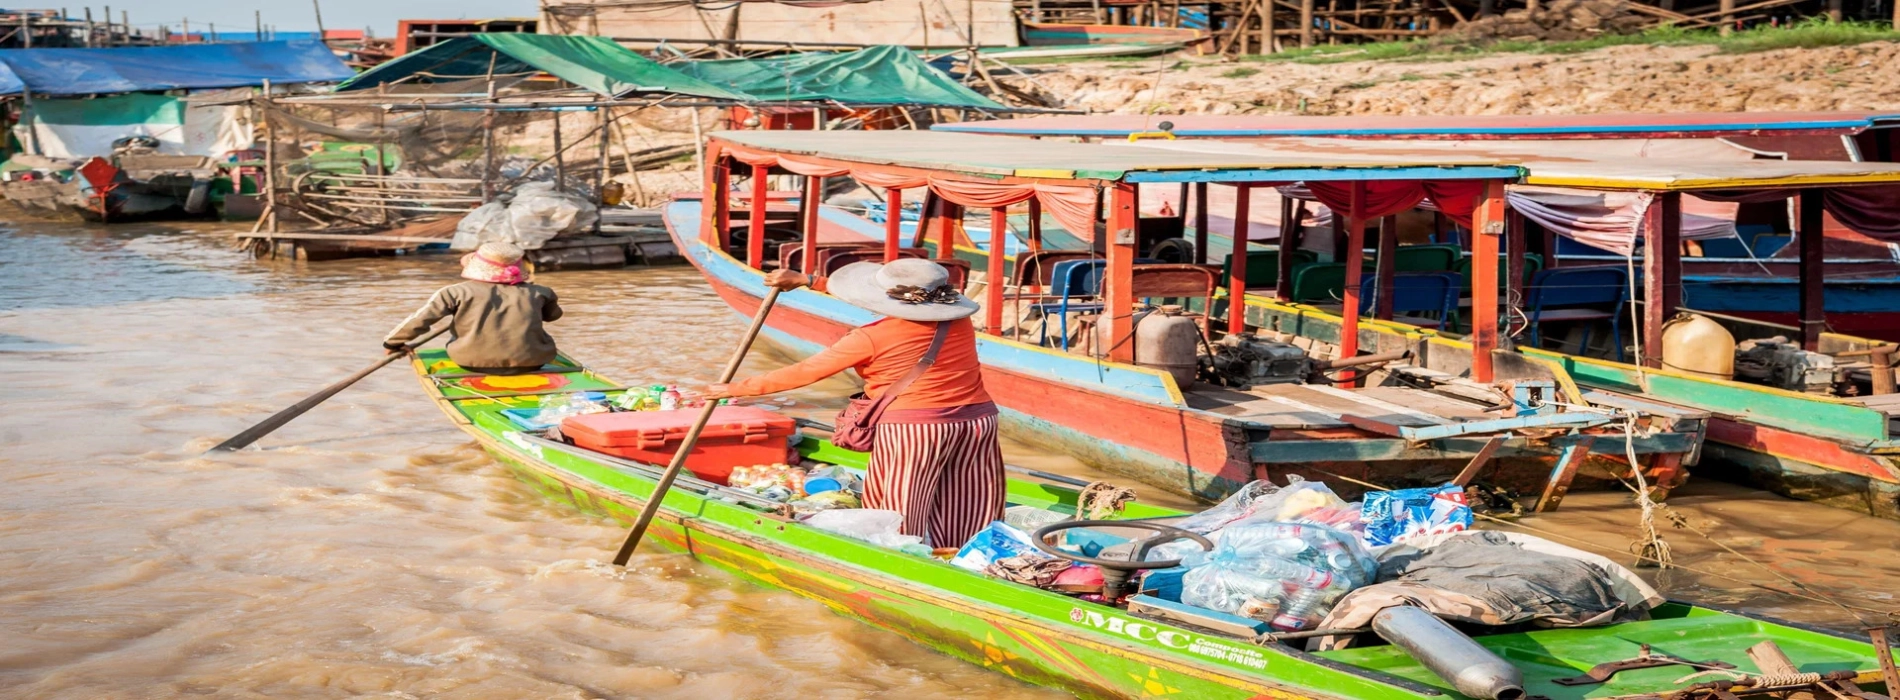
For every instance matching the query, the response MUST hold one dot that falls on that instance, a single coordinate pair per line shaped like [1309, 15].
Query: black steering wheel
[1115, 572]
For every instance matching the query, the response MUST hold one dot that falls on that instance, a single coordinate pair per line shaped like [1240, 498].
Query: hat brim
[857, 283]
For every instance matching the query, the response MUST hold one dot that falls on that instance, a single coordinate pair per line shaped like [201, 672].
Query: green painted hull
[1045, 638]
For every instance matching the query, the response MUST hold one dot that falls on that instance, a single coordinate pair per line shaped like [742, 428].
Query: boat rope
[1650, 544]
[1808, 595]
[1101, 499]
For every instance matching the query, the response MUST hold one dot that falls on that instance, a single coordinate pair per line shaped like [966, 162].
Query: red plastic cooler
[737, 436]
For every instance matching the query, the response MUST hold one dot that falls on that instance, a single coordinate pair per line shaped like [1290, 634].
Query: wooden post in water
[1813, 269]
[1237, 269]
[600, 152]
[1120, 275]
[89, 28]
[1662, 271]
[270, 162]
[1267, 18]
[560, 159]
[1727, 25]
[488, 136]
[257, 17]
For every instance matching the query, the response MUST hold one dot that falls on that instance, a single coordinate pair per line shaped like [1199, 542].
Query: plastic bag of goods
[539, 212]
[823, 501]
[1265, 501]
[1286, 574]
[998, 541]
[488, 222]
[879, 527]
[1396, 516]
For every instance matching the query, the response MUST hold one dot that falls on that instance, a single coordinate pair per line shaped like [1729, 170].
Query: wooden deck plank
[1429, 402]
[1346, 406]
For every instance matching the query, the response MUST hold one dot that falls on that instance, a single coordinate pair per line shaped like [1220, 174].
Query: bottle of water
[1301, 610]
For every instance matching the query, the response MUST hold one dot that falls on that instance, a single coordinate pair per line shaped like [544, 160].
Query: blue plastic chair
[1578, 294]
[1725, 248]
[1414, 293]
[1767, 244]
[1071, 279]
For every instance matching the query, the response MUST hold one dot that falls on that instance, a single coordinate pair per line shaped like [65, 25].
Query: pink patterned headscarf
[499, 263]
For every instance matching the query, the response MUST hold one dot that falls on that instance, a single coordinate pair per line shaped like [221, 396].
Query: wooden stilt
[1564, 472]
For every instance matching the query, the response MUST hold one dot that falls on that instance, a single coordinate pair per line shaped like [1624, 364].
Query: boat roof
[1546, 126]
[991, 156]
[1573, 164]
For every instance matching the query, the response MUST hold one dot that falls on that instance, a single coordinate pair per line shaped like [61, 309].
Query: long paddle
[692, 436]
[278, 419]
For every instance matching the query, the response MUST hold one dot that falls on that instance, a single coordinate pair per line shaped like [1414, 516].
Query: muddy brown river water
[370, 549]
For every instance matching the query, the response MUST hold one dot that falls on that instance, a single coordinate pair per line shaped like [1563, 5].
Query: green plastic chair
[1422, 258]
[1319, 283]
[1533, 264]
[1263, 267]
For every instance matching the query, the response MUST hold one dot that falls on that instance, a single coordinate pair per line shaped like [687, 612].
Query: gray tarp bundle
[1498, 578]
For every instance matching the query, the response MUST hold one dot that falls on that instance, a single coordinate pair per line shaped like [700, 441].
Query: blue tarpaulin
[187, 66]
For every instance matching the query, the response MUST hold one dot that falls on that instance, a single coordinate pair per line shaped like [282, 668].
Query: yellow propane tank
[1698, 346]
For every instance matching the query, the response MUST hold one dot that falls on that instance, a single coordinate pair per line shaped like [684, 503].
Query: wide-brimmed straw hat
[912, 289]
[495, 262]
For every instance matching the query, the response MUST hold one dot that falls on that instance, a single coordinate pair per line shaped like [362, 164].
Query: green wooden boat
[1049, 639]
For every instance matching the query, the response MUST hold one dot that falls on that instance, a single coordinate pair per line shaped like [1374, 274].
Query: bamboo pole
[560, 160]
[1306, 24]
[89, 28]
[488, 137]
[600, 155]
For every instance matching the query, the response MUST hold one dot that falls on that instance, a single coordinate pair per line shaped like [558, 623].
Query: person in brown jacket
[498, 315]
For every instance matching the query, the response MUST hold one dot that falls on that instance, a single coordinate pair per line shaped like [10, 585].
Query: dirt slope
[1617, 79]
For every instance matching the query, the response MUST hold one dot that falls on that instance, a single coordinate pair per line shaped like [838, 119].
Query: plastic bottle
[1300, 611]
[670, 400]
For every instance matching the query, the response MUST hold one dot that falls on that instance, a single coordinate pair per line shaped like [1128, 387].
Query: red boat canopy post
[809, 198]
[1035, 228]
[1291, 211]
[993, 275]
[722, 202]
[893, 222]
[1487, 225]
[1237, 270]
[1200, 223]
[1662, 271]
[1813, 292]
[755, 219]
[1120, 314]
[948, 218]
[1355, 270]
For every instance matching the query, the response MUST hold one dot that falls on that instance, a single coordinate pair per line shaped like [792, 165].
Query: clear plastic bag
[1265, 501]
[540, 212]
[1030, 518]
[879, 527]
[488, 222]
[1288, 574]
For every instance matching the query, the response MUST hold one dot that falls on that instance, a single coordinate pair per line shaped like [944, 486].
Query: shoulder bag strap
[923, 365]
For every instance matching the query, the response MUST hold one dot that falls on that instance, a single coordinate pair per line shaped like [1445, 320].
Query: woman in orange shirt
[935, 457]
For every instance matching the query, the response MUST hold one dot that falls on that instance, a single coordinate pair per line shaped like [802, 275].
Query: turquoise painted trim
[1152, 387]
[1436, 172]
[1813, 415]
[1372, 450]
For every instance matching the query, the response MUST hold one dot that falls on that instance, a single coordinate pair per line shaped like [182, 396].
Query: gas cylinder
[1696, 345]
[1170, 341]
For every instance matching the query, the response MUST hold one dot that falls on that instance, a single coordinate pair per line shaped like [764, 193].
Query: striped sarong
[946, 478]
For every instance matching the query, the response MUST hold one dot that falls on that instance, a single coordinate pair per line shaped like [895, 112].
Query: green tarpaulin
[879, 75]
[591, 62]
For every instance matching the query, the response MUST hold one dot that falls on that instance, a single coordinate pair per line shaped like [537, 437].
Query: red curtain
[1872, 211]
[1457, 199]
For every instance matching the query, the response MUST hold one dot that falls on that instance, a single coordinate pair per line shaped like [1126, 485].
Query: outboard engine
[1778, 363]
[1242, 361]
[134, 145]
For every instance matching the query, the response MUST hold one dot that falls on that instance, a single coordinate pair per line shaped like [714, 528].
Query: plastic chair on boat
[1071, 279]
[1767, 244]
[1413, 293]
[1533, 263]
[1422, 258]
[1319, 282]
[1263, 266]
[1579, 294]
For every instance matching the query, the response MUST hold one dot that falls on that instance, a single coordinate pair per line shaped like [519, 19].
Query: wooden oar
[278, 419]
[692, 436]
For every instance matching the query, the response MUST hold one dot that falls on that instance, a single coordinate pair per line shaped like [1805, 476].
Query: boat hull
[1134, 422]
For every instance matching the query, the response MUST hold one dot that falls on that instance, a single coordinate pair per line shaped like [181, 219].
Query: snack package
[998, 541]
[1396, 516]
